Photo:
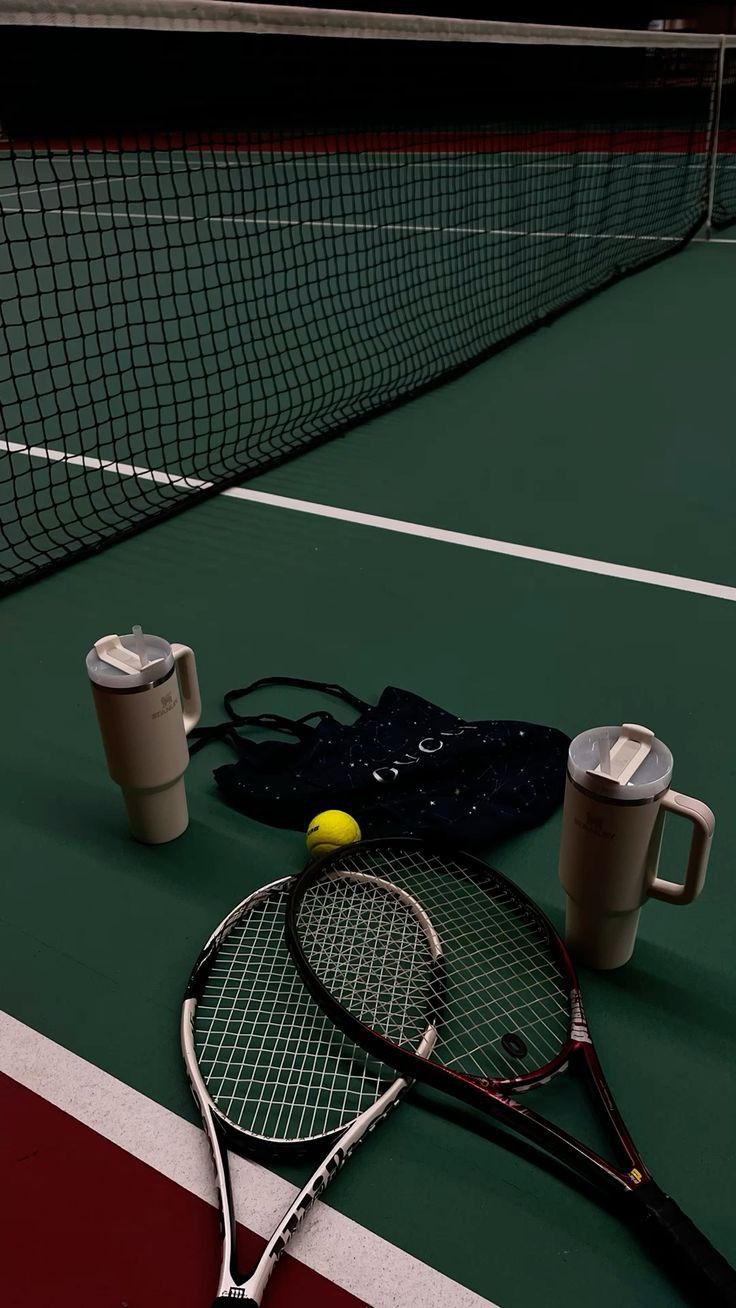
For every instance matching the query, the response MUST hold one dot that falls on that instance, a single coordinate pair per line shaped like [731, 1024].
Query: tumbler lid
[127, 662]
[626, 763]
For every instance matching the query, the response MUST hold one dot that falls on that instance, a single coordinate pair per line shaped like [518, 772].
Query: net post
[715, 129]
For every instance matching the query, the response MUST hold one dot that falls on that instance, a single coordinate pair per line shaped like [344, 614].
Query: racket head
[262, 1058]
[390, 934]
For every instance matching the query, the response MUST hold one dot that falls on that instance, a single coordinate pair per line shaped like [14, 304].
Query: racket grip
[682, 1247]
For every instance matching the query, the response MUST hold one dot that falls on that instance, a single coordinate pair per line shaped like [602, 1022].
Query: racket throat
[610, 1178]
[606, 1158]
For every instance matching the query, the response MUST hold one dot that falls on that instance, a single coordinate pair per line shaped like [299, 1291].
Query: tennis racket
[393, 936]
[271, 1075]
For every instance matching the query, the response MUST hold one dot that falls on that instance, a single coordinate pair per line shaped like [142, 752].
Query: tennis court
[204, 278]
[547, 536]
[135, 320]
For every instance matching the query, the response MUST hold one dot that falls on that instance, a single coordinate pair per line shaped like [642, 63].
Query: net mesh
[220, 247]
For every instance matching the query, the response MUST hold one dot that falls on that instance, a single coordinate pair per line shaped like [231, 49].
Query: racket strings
[374, 958]
[273, 1064]
[499, 978]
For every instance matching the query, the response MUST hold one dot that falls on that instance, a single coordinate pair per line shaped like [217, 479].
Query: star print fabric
[405, 766]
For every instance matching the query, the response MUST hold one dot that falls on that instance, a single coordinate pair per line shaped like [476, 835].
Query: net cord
[291, 20]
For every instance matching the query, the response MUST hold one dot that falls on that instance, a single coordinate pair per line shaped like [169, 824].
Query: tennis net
[229, 232]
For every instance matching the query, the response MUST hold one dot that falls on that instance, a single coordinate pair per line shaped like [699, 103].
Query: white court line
[73, 184]
[326, 162]
[338, 1248]
[486, 544]
[436, 229]
[359, 166]
[530, 553]
[104, 465]
[440, 229]
[125, 214]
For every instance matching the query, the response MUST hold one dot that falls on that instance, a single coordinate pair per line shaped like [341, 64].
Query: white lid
[125, 662]
[626, 763]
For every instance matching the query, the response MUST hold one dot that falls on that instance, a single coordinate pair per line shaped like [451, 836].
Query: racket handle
[683, 1247]
[227, 1301]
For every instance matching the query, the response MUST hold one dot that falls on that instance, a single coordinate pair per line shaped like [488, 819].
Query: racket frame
[681, 1247]
[577, 1052]
[222, 1134]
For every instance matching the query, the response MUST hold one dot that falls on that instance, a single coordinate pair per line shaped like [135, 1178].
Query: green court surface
[608, 436]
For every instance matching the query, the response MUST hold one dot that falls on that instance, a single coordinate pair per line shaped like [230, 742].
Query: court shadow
[689, 997]
[689, 1288]
[80, 811]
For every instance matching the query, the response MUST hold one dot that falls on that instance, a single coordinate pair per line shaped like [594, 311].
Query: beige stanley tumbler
[616, 797]
[145, 712]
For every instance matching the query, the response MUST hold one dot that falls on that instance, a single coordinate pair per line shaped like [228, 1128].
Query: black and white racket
[271, 1074]
[393, 935]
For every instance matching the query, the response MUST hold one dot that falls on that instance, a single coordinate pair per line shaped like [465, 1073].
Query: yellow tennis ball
[330, 830]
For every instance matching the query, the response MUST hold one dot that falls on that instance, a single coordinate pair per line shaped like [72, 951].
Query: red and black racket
[392, 935]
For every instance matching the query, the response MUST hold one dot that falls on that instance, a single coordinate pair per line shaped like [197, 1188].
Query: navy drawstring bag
[404, 766]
